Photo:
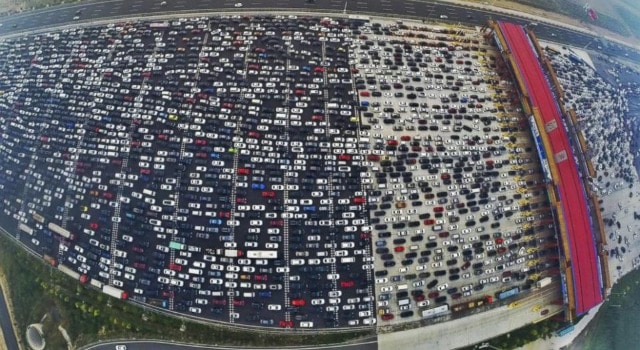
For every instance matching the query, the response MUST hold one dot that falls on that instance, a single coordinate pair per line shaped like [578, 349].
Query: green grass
[89, 315]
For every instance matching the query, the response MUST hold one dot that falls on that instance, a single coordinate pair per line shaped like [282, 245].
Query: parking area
[457, 202]
[268, 170]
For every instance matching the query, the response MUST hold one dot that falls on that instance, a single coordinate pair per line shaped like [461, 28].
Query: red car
[219, 301]
[243, 171]
[268, 194]
[107, 195]
[359, 200]
[286, 324]
[277, 222]
[347, 284]
[364, 94]
[261, 277]
[373, 157]
[241, 200]
[317, 118]
[139, 265]
[175, 267]
[392, 142]
[93, 226]
[398, 249]
[419, 297]
[138, 249]
[344, 157]
[365, 235]
[298, 302]
[405, 138]
[201, 142]
[387, 317]
[254, 134]
[224, 214]
[238, 302]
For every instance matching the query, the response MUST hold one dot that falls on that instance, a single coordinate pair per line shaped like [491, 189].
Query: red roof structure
[587, 282]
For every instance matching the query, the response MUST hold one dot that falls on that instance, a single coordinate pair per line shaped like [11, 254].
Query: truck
[69, 272]
[61, 231]
[231, 253]
[575, 59]
[39, 218]
[543, 282]
[262, 254]
[565, 330]
[114, 292]
[158, 302]
[25, 228]
[50, 260]
[178, 246]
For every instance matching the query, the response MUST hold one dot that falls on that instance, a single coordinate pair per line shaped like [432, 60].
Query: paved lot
[239, 169]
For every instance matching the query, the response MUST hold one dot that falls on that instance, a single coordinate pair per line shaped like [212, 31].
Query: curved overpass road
[95, 10]
[366, 344]
[10, 340]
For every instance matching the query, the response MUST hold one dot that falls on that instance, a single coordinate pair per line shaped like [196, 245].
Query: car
[238, 4]
[121, 347]
[298, 302]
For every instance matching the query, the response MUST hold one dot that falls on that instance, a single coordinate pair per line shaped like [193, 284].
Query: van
[149, 192]
[195, 271]
[347, 259]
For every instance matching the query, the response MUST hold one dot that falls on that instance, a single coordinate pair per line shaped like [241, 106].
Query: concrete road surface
[366, 344]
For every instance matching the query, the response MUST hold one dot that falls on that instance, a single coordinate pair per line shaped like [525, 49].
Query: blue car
[381, 243]
[215, 221]
[258, 186]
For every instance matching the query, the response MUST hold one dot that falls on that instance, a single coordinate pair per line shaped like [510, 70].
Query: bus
[262, 254]
[61, 231]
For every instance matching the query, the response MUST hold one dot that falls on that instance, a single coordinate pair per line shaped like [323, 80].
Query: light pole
[345, 8]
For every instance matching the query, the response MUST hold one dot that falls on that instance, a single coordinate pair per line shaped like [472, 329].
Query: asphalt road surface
[94, 10]
[7, 328]
[367, 344]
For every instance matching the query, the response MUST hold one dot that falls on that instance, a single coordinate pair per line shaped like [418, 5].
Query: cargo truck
[543, 282]
[114, 292]
[231, 253]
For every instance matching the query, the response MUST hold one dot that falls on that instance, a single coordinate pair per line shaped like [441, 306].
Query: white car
[121, 347]
[238, 4]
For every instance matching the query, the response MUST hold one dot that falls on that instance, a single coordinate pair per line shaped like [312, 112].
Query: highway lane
[365, 344]
[5, 323]
[94, 10]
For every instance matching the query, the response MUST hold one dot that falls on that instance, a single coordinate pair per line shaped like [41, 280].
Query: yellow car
[173, 117]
